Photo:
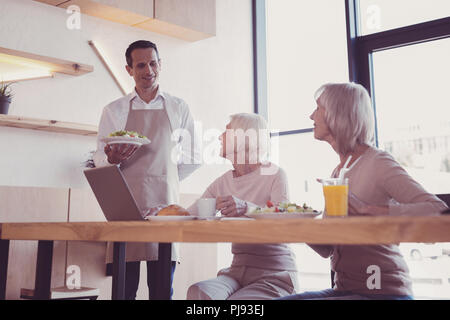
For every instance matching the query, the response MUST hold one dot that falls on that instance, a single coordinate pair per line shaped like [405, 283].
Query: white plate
[126, 140]
[209, 218]
[235, 218]
[170, 218]
[283, 215]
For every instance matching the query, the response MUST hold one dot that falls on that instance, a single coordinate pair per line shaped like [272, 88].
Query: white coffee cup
[206, 207]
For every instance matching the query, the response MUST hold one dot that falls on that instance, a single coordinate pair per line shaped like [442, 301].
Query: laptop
[113, 194]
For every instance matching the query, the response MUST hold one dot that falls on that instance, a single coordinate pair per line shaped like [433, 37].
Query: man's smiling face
[146, 68]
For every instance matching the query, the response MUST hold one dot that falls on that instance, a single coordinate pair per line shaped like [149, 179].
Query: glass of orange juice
[335, 192]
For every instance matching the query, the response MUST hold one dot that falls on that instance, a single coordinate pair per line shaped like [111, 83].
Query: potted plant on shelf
[5, 97]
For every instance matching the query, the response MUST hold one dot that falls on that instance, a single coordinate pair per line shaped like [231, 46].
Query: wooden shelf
[48, 125]
[64, 293]
[33, 61]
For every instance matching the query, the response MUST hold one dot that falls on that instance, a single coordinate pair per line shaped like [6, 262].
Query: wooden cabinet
[189, 20]
[125, 12]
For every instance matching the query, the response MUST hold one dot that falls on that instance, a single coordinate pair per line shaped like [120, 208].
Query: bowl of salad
[126, 137]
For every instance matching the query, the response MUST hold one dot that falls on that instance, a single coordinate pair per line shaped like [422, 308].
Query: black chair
[332, 279]
[446, 198]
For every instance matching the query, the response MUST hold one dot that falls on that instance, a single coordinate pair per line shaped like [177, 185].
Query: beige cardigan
[377, 179]
[256, 188]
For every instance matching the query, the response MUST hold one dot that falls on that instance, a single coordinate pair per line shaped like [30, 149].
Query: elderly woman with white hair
[378, 186]
[258, 271]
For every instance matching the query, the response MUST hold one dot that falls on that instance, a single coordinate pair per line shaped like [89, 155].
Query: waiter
[151, 172]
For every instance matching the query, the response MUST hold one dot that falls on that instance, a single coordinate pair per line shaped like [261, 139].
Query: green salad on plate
[125, 133]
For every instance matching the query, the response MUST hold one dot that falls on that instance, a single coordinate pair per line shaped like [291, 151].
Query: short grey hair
[252, 123]
[348, 114]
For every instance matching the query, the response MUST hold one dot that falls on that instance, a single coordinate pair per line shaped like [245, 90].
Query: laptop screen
[113, 195]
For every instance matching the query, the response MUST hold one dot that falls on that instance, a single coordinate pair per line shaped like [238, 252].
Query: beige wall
[214, 76]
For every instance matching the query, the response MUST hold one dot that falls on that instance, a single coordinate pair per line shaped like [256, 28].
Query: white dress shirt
[114, 118]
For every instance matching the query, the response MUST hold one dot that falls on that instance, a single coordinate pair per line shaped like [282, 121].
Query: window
[304, 159]
[406, 71]
[306, 48]
[399, 51]
[410, 92]
[411, 85]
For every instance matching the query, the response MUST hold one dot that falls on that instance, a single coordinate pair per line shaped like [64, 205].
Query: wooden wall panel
[197, 261]
[89, 256]
[28, 204]
[84, 206]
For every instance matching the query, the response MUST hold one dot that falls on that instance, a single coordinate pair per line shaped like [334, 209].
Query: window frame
[360, 50]
[260, 57]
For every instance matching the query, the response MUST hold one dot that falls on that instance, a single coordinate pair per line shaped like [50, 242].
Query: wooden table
[350, 230]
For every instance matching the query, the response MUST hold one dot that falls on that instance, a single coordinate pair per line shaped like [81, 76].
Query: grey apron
[150, 173]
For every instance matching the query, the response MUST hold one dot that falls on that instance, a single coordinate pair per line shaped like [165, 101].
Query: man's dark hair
[140, 44]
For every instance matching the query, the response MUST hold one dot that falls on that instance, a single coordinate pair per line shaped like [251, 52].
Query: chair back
[446, 198]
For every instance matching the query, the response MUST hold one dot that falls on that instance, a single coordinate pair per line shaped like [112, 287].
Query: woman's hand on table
[117, 153]
[231, 206]
[357, 207]
[370, 211]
